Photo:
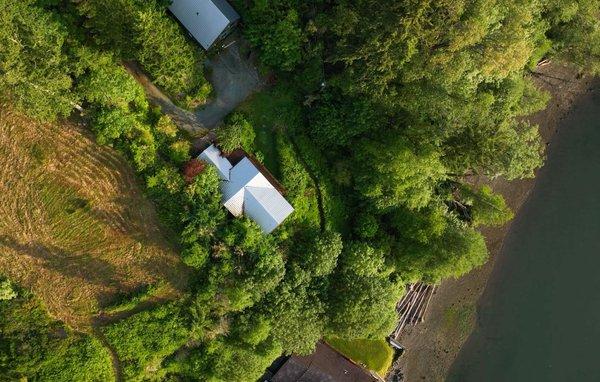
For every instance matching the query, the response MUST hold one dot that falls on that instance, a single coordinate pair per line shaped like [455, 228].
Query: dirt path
[183, 118]
[433, 345]
[116, 364]
[102, 320]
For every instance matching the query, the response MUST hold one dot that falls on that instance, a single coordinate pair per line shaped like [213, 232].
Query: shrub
[237, 133]
[195, 255]
[7, 290]
[179, 151]
[143, 340]
[192, 168]
[30, 348]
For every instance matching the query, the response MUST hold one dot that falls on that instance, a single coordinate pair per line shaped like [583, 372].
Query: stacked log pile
[412, 307]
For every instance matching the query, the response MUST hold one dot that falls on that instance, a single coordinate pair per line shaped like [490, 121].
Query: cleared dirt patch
[74, 225]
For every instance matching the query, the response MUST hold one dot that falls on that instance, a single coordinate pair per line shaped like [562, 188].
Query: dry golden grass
[74, 225]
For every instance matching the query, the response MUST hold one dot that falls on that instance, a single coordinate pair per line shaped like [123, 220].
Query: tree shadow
[82, 266]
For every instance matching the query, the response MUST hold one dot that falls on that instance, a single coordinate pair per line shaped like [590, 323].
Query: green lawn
[375, 355]
[277, 112]
[274, 110]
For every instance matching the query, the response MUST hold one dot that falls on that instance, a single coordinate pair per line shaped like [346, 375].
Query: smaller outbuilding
[206, 20]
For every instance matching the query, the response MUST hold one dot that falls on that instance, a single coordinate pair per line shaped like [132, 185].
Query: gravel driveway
[233, 77]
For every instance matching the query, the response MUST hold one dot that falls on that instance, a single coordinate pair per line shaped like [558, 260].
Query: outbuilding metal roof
[245, 190]
[213, 155]
[204, 19]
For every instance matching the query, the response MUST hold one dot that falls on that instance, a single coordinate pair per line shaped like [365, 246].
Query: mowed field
[74, 225]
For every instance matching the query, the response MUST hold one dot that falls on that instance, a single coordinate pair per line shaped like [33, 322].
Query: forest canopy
[379, 115]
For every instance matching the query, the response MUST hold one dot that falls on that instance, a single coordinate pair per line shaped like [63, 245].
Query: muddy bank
[433, 345]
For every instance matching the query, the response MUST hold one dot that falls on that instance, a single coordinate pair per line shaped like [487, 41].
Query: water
[539, 317]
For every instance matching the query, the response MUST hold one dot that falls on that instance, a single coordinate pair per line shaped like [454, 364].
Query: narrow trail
[116, 364]
[185, 119]
[102, 320]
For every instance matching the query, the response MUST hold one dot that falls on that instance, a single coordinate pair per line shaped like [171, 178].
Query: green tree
[452, 253]
[323, 257]
[363, 306]
[174, 63]
[390, 172]
[110, 124]
[237, 133]
[366, 225]
[274, 26]
[336, 119]
[575, 31]
[298, 315]
[364, 260]
[486, 207]
[34, 64]
[7, 290]
[102, 82]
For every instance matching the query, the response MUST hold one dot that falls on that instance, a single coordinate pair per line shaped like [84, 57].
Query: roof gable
[213, 156]
[272, 201]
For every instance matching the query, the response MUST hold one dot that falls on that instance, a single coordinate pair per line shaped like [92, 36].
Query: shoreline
[433, 345]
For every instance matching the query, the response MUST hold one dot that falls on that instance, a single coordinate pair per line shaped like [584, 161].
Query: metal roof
[246, 190]
[204, 19]
[213, 155]
[325, 364]
[266, 206]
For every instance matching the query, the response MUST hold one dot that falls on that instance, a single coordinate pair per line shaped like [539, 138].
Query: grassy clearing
[333, 204]
[274, 114]
[75, 227]
[276, 117]
[127, 301]
[375, 355]
[269, 112]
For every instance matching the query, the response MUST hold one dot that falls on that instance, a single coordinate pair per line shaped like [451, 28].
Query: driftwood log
[413, 306]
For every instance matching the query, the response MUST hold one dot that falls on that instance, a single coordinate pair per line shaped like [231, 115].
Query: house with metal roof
[246, 190]
[206, 20]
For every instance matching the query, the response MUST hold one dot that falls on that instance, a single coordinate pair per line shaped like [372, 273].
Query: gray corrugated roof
[204, 19]
[227, 10]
